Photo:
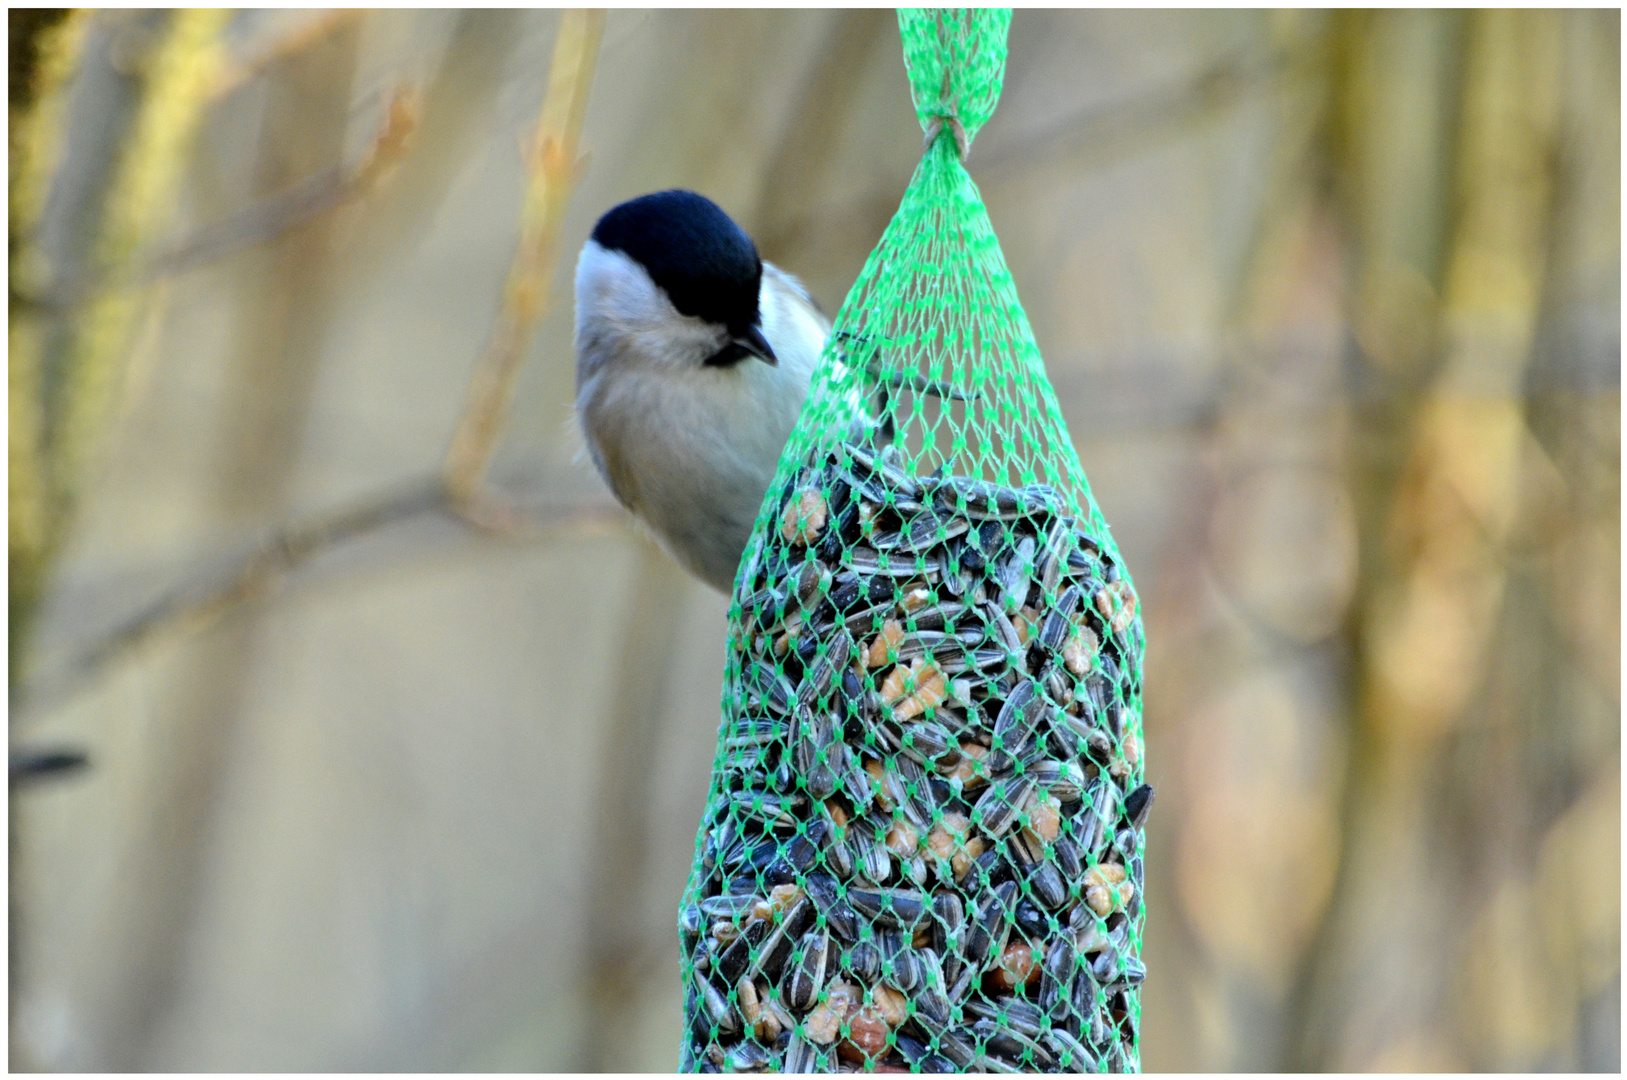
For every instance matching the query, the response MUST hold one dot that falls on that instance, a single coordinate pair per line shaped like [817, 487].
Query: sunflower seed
[869, 562]
[1053, 556]
[996, 810]
[1048, 886]
[751, 732]
[777, 946]
[929, 530]
[1069, 785]
[1058, 620]
[839, 916]
[1002, 632]
[801, 1056]
[690, 920]
[1057, 685]
[733, 962]
[910, 1049]
[948, 916]
[863, 960]
[747, 1057]
[838, 855]
[1014, 1014]
[728, 907]
[1105, 966]
[817, 682]
[1002, 1039]
[980, 500]
[989, 928]
[716, 1012]
[807, 975]
[898, 908]
[930, 1003]
[900, 963]
[872, 862]
[1012, 573]
[1137, 804]
[957, 1047]
[764, 686]
[1058, 972]
[1071, 1053]
[926, 742]
[1017, 716]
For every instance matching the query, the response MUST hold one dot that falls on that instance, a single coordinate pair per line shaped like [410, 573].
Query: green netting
[922, 847]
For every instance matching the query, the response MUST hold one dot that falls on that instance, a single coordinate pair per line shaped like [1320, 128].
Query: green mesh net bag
[923, 844]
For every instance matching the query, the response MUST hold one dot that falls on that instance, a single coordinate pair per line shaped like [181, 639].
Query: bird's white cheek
[680, 342]
[618, 304]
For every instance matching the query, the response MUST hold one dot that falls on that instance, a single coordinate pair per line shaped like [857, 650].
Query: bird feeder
[922, 848]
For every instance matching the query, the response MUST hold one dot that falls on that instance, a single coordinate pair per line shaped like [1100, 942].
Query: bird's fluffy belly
[710, 448]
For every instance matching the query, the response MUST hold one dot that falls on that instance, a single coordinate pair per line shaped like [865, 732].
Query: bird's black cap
[706, 263]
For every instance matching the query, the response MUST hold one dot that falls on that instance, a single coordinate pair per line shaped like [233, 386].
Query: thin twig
[283, 550]
[201, 596]
[328, 190]
[555, 165]
[299, 204]
[295, 40]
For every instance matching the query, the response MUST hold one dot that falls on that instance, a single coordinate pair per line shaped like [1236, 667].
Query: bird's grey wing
[794, 285]
[600, 424]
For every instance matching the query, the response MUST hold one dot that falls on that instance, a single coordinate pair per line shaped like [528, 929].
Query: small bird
[693, 359]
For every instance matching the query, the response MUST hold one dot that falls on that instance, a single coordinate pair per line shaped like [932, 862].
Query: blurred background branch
[211, 590]
[67, 377]
[262, 52]
[302, 201]
[554, 165]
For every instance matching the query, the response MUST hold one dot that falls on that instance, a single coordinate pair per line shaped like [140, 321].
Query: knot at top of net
[956, 59]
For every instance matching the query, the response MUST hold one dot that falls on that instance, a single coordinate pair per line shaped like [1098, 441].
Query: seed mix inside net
[922, 848]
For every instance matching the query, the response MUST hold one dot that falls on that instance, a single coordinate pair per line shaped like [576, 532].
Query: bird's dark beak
[753, 341]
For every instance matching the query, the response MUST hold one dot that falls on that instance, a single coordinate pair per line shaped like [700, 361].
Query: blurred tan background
[384, 779]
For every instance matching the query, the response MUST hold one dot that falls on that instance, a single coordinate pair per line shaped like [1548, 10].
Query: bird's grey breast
[692, 452]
